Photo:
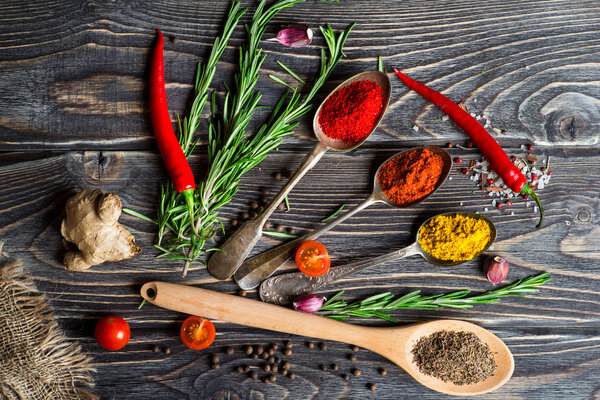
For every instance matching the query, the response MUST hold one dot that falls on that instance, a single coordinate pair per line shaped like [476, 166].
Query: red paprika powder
[410, 176]
[351, 112]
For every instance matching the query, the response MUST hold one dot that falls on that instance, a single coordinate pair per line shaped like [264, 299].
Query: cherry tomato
[197, 333]
[112, 333]
[312, 258]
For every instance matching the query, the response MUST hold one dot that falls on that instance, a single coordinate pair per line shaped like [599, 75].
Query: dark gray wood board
[75, 115]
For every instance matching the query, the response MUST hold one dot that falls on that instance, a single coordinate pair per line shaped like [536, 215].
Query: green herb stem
[380, 304]
[334, 214]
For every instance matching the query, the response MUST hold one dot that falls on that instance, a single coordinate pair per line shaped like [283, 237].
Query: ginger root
[91, 223]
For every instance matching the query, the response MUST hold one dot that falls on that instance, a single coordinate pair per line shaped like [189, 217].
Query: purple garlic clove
[495, 269]
[309, 303]
[295, 35]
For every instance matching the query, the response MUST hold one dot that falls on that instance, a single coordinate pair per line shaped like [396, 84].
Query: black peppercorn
[239, 369]
[265, 191]
[346, 377]
[248, 350]
[266, 368]
[259, 350]
[265, 380]
[277, 359]
[291, 375]
[274, 368]
[356, 372]
[274, 346]
[234, 222]
[278, 227]
[287, 352]
[291, 230]
[254, 375]
[264, 356]
[214, 358]
[284, 372]
[229, 350]
[334, 367]
[281, 206]
[352, 357]
[243, 293]
[254, 356]
[271, 359]
[246, 368]
[268, 225]
[216, 366]
[254, 205]
[382, 372]
[272, 378]
[310, 345]
[245, 215]
[277, 176]
[167, 350]
[323, 367]
[155, 349]
[371, 387]
[286, 365]
[253, 214]
[322, 346]
[355, 348]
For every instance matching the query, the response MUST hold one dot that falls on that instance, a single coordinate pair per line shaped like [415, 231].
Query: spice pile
[454, 237]
[351, 113]
[410, 176]
[459, 357]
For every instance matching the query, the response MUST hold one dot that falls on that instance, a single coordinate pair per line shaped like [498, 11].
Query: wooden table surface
[74, 103]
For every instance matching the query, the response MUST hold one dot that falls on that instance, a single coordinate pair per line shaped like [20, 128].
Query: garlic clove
[309, 303]
[294, 35]
[495, 269]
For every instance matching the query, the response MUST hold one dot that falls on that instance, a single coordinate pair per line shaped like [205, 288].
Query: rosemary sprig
[231, 151]
[380, 304]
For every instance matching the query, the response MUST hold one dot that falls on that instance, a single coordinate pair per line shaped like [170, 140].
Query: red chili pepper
[499, 161]
[172, 154]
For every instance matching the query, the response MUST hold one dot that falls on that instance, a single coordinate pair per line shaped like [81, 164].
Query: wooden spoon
[394, 343]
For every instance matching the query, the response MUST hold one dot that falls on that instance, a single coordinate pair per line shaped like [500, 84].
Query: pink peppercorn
[534, 177]
[529, 147]
[458, 160]
[509, 203]
[500, 205]
[490, 181]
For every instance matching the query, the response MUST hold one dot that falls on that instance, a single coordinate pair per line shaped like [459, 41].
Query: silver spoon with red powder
[225, 263]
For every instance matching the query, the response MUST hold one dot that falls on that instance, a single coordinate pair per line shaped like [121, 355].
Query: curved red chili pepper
[498, 159]
[172, 154]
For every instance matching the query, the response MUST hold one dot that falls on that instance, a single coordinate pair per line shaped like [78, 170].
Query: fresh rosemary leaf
[139, 215]
[292, 73]
[282, 235]
[334, 214]
[287, 203]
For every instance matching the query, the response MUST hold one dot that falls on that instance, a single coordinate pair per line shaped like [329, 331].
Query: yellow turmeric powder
[455, 237]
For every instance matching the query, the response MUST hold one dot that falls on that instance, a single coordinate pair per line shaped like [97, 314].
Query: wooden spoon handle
[239, 310]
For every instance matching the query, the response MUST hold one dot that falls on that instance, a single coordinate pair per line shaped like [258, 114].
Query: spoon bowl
[282, 289]
[339, 145]
[394, 343]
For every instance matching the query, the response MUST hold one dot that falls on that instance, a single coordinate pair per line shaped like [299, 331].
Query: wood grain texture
[75, 115]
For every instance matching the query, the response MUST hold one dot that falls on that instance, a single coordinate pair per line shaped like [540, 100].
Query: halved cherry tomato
[197, 333]
[112, 333]
[312, 258]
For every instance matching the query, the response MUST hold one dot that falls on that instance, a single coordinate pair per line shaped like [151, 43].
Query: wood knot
[584, 215]
[565, 126]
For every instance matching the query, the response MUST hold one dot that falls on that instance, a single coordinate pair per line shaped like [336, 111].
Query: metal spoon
[223, 264]
[260, 267]
[394, 343]
[284, 288]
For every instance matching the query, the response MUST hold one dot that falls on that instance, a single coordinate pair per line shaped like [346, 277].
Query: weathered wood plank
[75, 73]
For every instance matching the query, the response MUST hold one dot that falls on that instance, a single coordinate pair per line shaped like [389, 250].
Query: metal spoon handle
[253, 271]
[235, 249]
[282, 289]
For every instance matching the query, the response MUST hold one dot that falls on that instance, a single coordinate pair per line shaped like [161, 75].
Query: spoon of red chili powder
[403, 180]
[343, 122]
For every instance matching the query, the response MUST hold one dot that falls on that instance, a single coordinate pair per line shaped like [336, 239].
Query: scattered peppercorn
[352, 357]
[254, 356]
[271, 351]
[229, 350]
[246, 368]
[450, 145]
[334, 367]
[248, 349]
[277, 176]
[234, 222]
[284, 372]
[265, 191]
[268, 224]
[274, 346]
[356, 372]
[291, 375]
[274, 368]
[310, 345]
[286, 365]
[281, 206]
[291, 230]
[278, 227]
[259, 350]
[458, 160]
[239, 370]
[254, 205]
[346, 377]
[287, 173]
[354, 348]
[242, 293]
[371, 387]
[215, 366]
[272, 378]
[265, 356]
[288, 352]
[245, 215]
[271, 359]
[214, 358]
[277, 359]
[155, 349]
[322, 346]
[266, 368]
[167, 350]
[253, 214]
[254, 375]
[382, 372]
[289, 344]
[323, 367]
[265, 380]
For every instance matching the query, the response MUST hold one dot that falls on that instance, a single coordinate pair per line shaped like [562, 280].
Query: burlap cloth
[37, 361]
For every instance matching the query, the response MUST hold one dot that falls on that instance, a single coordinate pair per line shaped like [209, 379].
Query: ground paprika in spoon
[410, 176]
[350, 114]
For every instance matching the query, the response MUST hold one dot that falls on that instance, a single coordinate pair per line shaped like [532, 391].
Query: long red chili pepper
[498, 159]
[172, 154]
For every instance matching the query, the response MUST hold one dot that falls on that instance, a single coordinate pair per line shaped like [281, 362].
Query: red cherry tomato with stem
[312, 258]
[197, 333]
[112, 332]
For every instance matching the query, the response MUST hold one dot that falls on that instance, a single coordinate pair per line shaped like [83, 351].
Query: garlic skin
[309, 303]
[495, 269]
[294, 35]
